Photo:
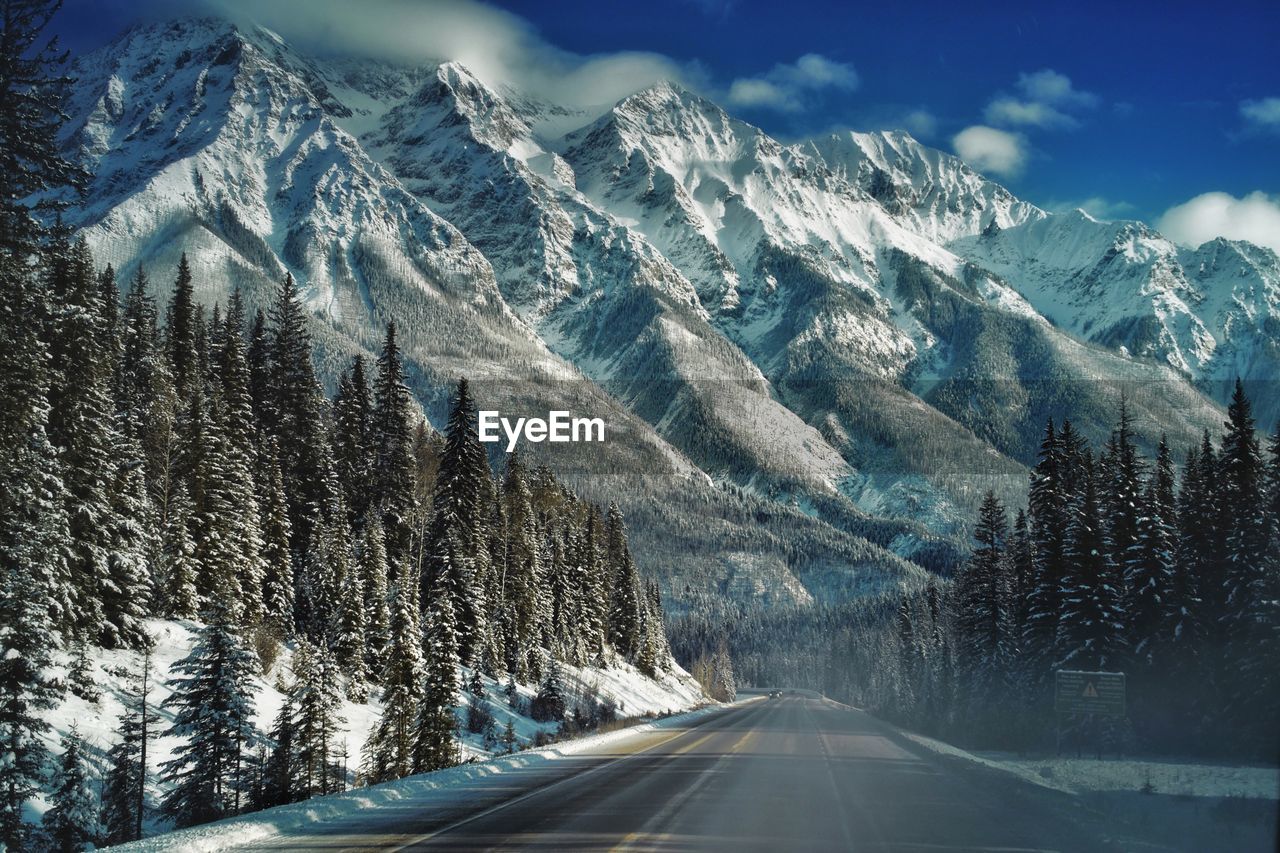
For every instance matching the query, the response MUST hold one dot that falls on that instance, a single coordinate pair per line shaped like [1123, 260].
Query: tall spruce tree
[982, 600]
[1091, 626]
[389, 752]
[72, 818]
[124, 789]
[213, 708]
[434, 746]
[458, 510]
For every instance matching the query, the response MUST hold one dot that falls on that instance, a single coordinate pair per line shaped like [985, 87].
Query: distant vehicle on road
[775, 694]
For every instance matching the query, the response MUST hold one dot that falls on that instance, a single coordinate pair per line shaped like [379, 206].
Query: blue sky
[1126, 109]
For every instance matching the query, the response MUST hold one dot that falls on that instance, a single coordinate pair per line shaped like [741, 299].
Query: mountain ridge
[856, 330]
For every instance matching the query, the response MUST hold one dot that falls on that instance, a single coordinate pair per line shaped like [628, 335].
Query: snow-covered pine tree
[177, 595]
[1091, 625]
[316, 696]
[124, 788]
[33, 548]
[277, 581]
[81, 421]
[1149, 565]
[353, 450]
[389, 750]
[146, 403]
[279, 773]
[294, 412]
[1248, 624]
[131, 545]
[373, 573]
[1047, 502]
[181, 332]
[72, 819]
[523, 569]
[625, 610]
[986, 640]
[458, 509]
[350, 642]
[434, 746]
[550, 704]
[1123, 495]
[213, 708]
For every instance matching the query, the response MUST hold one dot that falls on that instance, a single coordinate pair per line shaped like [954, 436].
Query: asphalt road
[778, 775]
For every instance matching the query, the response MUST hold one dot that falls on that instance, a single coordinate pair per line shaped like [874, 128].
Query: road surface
[778, 774]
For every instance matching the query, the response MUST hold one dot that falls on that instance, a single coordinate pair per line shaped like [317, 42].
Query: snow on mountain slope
[1212, 313]
[224, 144]
[857, 332]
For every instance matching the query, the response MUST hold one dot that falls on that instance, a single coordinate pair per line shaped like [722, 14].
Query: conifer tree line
[183, 462]
[195, 470]
[1169, 574]
[1166, 571]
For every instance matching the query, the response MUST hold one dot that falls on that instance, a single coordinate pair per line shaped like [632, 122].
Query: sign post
[1093, 694]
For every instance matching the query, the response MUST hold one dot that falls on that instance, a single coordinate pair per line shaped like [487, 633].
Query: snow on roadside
[114, 671]
[441, 790]
[1177, 777]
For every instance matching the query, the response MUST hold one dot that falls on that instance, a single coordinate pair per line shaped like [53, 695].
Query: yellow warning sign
[1090, 692]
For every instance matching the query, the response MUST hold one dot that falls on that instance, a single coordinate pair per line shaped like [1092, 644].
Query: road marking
[496, 807]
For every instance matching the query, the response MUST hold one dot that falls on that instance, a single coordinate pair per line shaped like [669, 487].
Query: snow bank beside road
[445, 791]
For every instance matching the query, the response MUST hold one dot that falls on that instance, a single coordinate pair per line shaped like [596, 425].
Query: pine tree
[351, 643]
[549, 705]
[434, 747]
[181, 332]
[213, 707]
[316, 697]
[72, 819]
[295, 418]
[177, 592]
[80, 421]
[458, 510]
[1090, 628]
[33, 542]
[280, 770]
[354, 455]
[131, 547]
[1124, 490]
[1248, 616]
[33, 90]
[277, 582]
[982, 598]
[1149, 564]
[124, 789]
[523, 569]
[389, 750]
[625, 608]
[373, 573]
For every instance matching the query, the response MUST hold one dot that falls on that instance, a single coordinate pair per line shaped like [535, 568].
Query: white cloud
[785, 86]
[1046, 100]
[1047, 86]
[989, 150]
[1264, 113]
[1009, 111]
[1255, 218]
[497, 46]
[922, 124]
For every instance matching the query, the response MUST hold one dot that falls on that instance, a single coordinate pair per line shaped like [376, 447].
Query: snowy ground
[1183, 803]
[113, 671]
[444, 791]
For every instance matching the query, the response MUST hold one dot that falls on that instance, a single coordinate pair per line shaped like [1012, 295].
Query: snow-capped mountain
[824, 351]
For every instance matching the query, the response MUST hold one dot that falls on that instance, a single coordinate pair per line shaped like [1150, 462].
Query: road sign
[1100, 693]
